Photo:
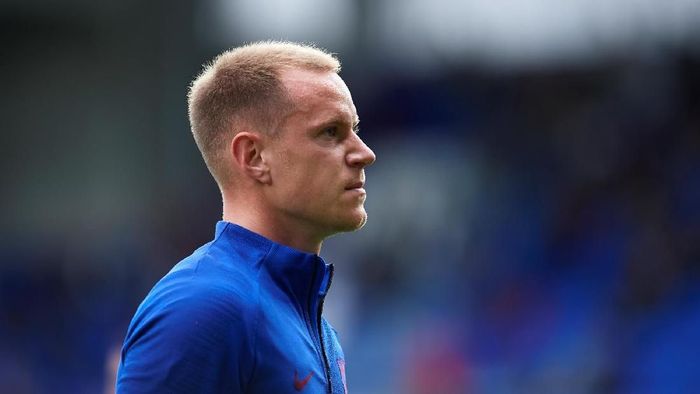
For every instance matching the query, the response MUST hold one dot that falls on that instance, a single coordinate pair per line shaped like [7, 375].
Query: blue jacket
[242, 314]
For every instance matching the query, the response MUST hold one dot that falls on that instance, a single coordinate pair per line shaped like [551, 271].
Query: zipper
[319, 327]
[318, 292]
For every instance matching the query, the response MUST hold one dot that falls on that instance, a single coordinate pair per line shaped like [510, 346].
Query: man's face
[317, 160]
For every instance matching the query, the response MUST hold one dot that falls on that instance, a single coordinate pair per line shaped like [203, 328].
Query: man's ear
[246, 148]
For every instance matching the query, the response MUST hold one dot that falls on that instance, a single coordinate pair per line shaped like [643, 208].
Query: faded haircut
[243, 85]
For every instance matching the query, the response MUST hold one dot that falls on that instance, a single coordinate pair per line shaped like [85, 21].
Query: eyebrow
[338, 120]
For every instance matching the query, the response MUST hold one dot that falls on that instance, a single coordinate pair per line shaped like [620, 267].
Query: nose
[361, 155]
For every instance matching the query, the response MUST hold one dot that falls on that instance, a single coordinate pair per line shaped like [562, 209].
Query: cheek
[300, 178]
[308, 178]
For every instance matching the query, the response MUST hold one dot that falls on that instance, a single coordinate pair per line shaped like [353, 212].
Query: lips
[355, 185]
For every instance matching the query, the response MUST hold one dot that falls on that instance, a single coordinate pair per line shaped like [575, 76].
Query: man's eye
[330, 132]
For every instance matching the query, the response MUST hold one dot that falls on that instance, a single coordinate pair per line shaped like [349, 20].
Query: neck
[252, 215]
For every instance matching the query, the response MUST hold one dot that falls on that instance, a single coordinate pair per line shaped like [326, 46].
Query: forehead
[319, 96]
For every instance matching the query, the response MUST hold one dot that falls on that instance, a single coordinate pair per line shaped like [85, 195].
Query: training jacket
[242, 314]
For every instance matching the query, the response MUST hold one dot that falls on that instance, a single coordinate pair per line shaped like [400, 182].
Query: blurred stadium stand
[534, 209]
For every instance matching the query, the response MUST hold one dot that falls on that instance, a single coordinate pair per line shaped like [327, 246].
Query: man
[277, 128]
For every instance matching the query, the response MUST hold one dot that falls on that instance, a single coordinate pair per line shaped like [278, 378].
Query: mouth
[355, 185]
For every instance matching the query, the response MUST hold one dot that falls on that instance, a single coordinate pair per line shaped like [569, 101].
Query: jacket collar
[305, 275]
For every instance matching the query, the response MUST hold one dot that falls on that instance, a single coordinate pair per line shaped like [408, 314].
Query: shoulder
[196, 325]
[208, 294]
[206, 287]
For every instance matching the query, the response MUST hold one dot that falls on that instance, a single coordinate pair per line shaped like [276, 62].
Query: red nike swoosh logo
[300, 384]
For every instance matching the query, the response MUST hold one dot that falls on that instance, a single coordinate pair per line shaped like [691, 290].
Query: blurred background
[534, 210]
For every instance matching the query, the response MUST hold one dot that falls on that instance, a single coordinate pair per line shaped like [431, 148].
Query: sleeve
[200, 342]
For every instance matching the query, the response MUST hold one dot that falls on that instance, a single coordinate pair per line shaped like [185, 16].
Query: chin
[353, 223]
[362, 222]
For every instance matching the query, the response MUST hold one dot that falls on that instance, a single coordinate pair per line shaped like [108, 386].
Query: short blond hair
[243, 84]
